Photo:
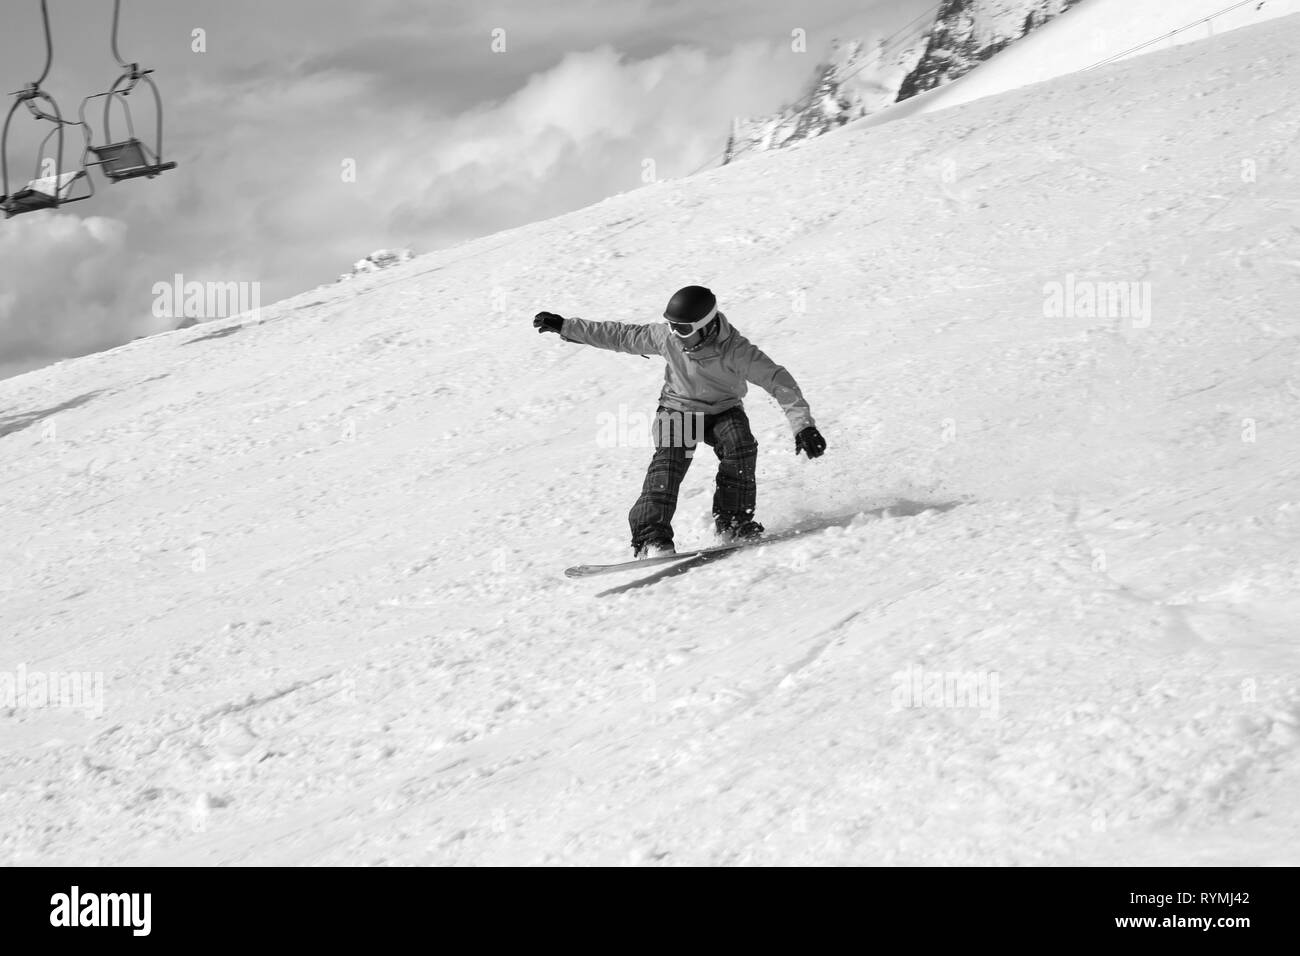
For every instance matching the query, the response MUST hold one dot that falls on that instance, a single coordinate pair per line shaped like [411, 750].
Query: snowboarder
[709, 366]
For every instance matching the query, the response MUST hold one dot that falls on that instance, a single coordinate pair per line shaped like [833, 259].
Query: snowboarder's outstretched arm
[613, 336]
[760, 370]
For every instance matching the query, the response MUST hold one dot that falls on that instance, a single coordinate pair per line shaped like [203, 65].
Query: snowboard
[591, 570]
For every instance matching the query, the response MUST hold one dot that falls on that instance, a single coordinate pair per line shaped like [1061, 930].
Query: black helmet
[690, 309]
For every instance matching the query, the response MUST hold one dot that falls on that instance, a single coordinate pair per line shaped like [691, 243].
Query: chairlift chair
[45, 190]
[129, 158]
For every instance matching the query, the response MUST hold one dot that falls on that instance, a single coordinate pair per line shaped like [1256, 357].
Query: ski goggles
[686, 329]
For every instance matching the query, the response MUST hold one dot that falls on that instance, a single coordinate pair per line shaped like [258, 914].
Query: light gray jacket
[710, 379]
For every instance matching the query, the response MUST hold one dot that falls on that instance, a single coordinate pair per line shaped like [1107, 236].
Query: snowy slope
[317, 559]
[1094, 32]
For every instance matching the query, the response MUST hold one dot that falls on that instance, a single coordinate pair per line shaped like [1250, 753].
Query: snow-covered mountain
[862, 77]
[307, 570]
[968, 32]
[377, 261]
[1092, 33]
[958, 57]
[857, 79]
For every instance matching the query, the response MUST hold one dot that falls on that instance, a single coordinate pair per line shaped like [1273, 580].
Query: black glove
[548, 322]
[810, 442]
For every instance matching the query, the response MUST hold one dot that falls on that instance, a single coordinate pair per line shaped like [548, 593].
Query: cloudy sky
[268, 102]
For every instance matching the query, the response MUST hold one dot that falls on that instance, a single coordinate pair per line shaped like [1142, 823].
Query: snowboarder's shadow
[902, 508]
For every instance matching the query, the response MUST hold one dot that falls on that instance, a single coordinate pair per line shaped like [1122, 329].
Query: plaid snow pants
[676, 436]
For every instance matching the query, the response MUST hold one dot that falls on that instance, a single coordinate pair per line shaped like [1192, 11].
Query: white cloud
[578, 132]
[64, 291]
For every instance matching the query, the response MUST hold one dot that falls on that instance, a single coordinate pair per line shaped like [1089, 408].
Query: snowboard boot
[730, 530]
[654, 549]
